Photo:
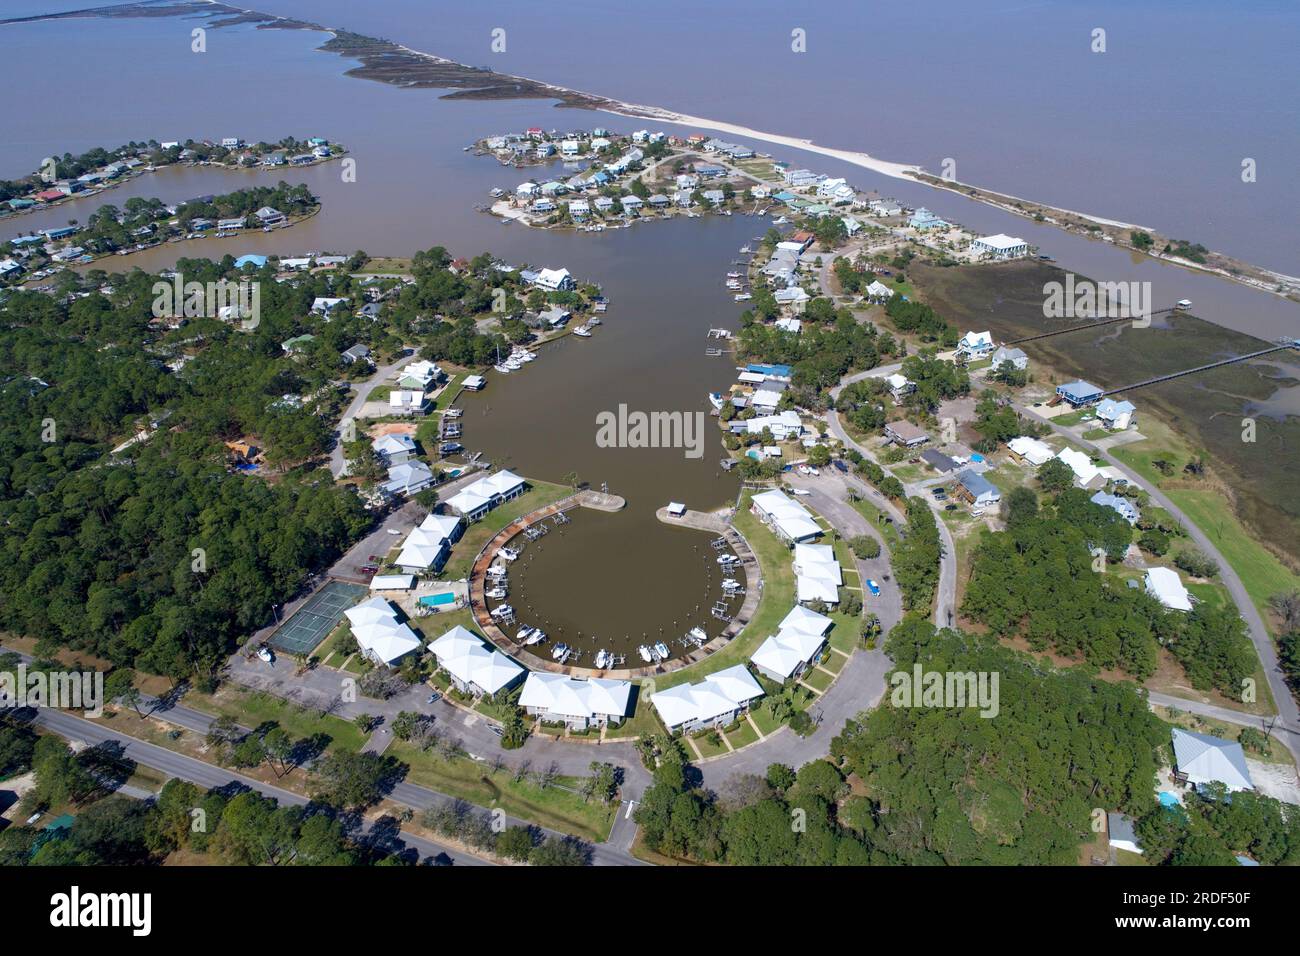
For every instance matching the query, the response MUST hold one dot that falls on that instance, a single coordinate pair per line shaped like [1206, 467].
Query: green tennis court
[309, 625]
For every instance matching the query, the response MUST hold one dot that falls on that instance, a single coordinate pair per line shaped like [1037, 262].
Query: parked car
[872, 586]
[434, 698]
[368, 569]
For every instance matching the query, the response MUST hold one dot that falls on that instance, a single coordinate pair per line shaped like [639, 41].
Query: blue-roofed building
[785, 196]
[250, 259]
[1125, 508]
[924, 219]
[772, 371]
[1079, 393]
[60, 232]
[977, 489]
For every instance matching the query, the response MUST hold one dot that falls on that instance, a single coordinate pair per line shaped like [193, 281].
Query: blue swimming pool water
[436, 600]
[1168, 799]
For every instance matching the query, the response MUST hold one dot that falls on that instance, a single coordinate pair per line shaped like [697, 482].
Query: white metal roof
[1206, 759]
[1166, 586]
[568, 697]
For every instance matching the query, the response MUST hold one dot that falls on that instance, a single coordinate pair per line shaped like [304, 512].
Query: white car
[800, 491]
[394, 531]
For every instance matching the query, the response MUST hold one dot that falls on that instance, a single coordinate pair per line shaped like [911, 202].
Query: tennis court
[309, 625]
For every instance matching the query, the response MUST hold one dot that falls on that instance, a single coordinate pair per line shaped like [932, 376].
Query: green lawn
[743, 735]
[707, 747]
[819, 680]
[834, 662]
[554, 807]
[252, 708]
[1262, 573]
[539, 494]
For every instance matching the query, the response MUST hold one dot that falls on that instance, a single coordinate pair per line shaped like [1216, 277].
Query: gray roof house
[1200, 759]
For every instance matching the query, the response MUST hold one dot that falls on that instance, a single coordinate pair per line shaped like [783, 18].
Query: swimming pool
[437, 600]
[1168, 799]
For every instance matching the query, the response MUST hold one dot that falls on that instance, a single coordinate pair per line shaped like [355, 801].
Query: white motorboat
[717, 400]
[510, 554]
[780, 221]
[582, 332]
[601, 657]
[559, 651]
[536, 637]
[496, 593]
[698, 635]
[645, 654]
[497, 571]
[503, 369]
[743, 297]
[661, 650]
[525, 634]
[502, 610]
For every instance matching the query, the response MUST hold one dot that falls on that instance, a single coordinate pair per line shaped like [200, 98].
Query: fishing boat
[497, 571]
[661, 650]
[525, 633]
[698, 635]
[497, 192]
[496, 593]
[502, 610]
[600, 659]
[594, 321]
[645, 654]
[727, 558]
[780, 221]
[730, 583]
[745, 250]
[742, 297]
[510, 554]
[536, 637]
[582, 332]
[717, 400]
[560, 651]
[733, 275]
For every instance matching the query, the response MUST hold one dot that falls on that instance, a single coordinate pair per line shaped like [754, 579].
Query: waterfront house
[1166, 586]
[1000, 247]
[477, 499]
[782, 426]
[793, 296]
[976, 489]
[632, 204]
[274, 159]
[226, 225]
[420, 375]
[1016, 357]
[473, 667]
[714, 196]
[569, 147]
[578, 704]
[394, 448]
[552, 317]
[796, 646]
[408, 478]
[905, 434]
[975, 345]
[1115, 415]
[527, 190]
[658, 200]
[554, 280]
[1200, 760]
[760, 191]
[788, 519]
[554, 188]
[381, 637]
[403, 401]
[683, 198]
[1079, 393]
[715, 701]
[1122, 506]
[603, 203]
[818, 574]
[924, 219]
[543, 205]
[474, 383]
[579, 207]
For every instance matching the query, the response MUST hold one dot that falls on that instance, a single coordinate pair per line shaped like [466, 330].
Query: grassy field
[555, 807]
[251, 708]
[1260, 570]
